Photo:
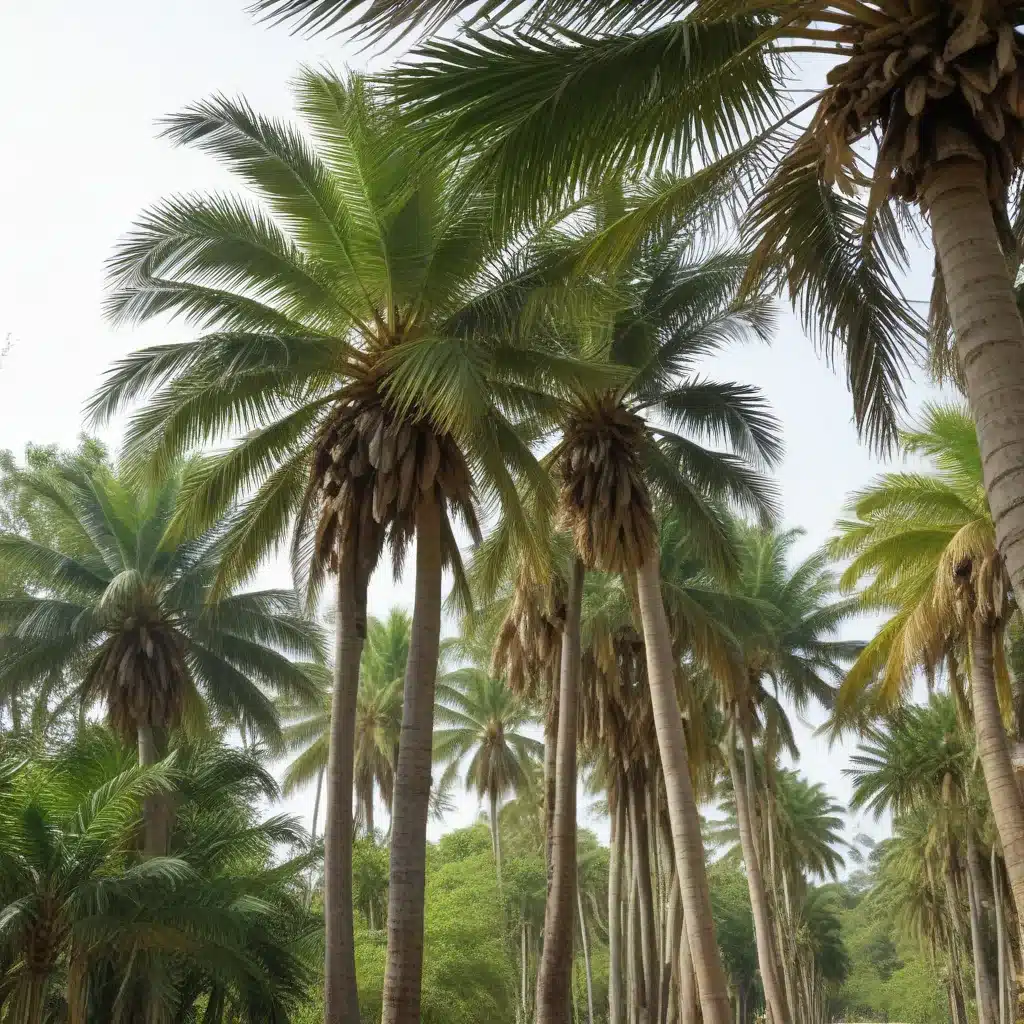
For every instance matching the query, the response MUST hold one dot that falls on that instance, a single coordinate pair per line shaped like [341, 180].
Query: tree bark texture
[990, 340]
[642, 867]
[687, 843]
[404, 969]
[985, 995]
[341, 999]
[554, 976]
[616, 965]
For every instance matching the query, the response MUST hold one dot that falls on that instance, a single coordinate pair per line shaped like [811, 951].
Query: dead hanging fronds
[605, 501]
[528, 646]
[939, 78]
[371, 467]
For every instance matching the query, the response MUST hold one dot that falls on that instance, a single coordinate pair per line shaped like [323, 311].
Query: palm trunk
[990, 340]
[155, 836]
[404, 970]
[1002, 964]
[523, 958]
[341, 1000]
[670, 951]
[1004, 794]
[495, 837]
[554, 976]
[682, 806]
[615, 961]
[368, 815]
[774, 995]
[642, 866]
[689, 1009]
[586, 954]
[316, 806]
[984, 994]
[550, 752]
[638, 981]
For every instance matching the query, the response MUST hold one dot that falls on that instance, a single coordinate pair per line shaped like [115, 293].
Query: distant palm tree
[126, 603]
[481, 719]
[923, 551]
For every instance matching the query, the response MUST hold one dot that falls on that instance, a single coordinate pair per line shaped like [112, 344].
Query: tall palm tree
[482, 720]
[360, 312]
[126, 603]
[793, 653]
[924, 545]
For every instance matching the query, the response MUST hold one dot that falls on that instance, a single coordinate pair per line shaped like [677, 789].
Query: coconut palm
[793, 653]
[126, 604]
[482, 720]
[924, 545]
[360, 312]
[619, 450]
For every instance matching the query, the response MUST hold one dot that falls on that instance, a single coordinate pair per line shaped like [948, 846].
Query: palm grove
[460, 321]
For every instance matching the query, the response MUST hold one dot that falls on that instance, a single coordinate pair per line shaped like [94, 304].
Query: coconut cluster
[605, 500]
[371, 466]
[941, 78]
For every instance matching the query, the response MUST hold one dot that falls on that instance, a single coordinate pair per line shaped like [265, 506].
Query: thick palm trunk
[682, 806]
[403, 973]
[554, 975]
[341, 1000]
[990, 342]
[616, 967]
[155, 837]
[642, 862]
[1004, 794]
[755, 884]
[985, 996]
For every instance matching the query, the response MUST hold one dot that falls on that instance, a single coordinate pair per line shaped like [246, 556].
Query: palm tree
[126, 603]
[926, 547]
[794, 650]
[483, 721]
[360, 313]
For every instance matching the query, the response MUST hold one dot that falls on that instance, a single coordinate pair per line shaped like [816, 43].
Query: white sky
[81, 87]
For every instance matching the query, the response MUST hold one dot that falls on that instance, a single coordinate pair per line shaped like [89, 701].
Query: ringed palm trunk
[1004, 794]
[642, 860]
[341, 1001]
[154, 808]
[403, 973]
[554, 975]
[985, 995]
[766, 960]
[616, 966]
[990, 340]
[682, 806]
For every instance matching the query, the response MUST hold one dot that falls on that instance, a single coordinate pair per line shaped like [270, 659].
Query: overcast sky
[81, 89]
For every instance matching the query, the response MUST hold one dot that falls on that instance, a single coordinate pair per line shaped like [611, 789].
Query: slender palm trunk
[638, 981]
[155, 837]
[682, 806]
[1004, 794]
[1003, 974]
[341, 1001]
[550, 753]
[495, 837]
[404, 970]
[990, 339]
[316, 806]
[766, 960]
[670, 951]
[368, 815]
[689, 998]
[984, 993]
[585, 940]
[642, 862]
[554, 976]
[524, 1006]
[616, 967]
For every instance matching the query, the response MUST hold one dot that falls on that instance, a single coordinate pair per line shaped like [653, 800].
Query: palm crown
[124, 604]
